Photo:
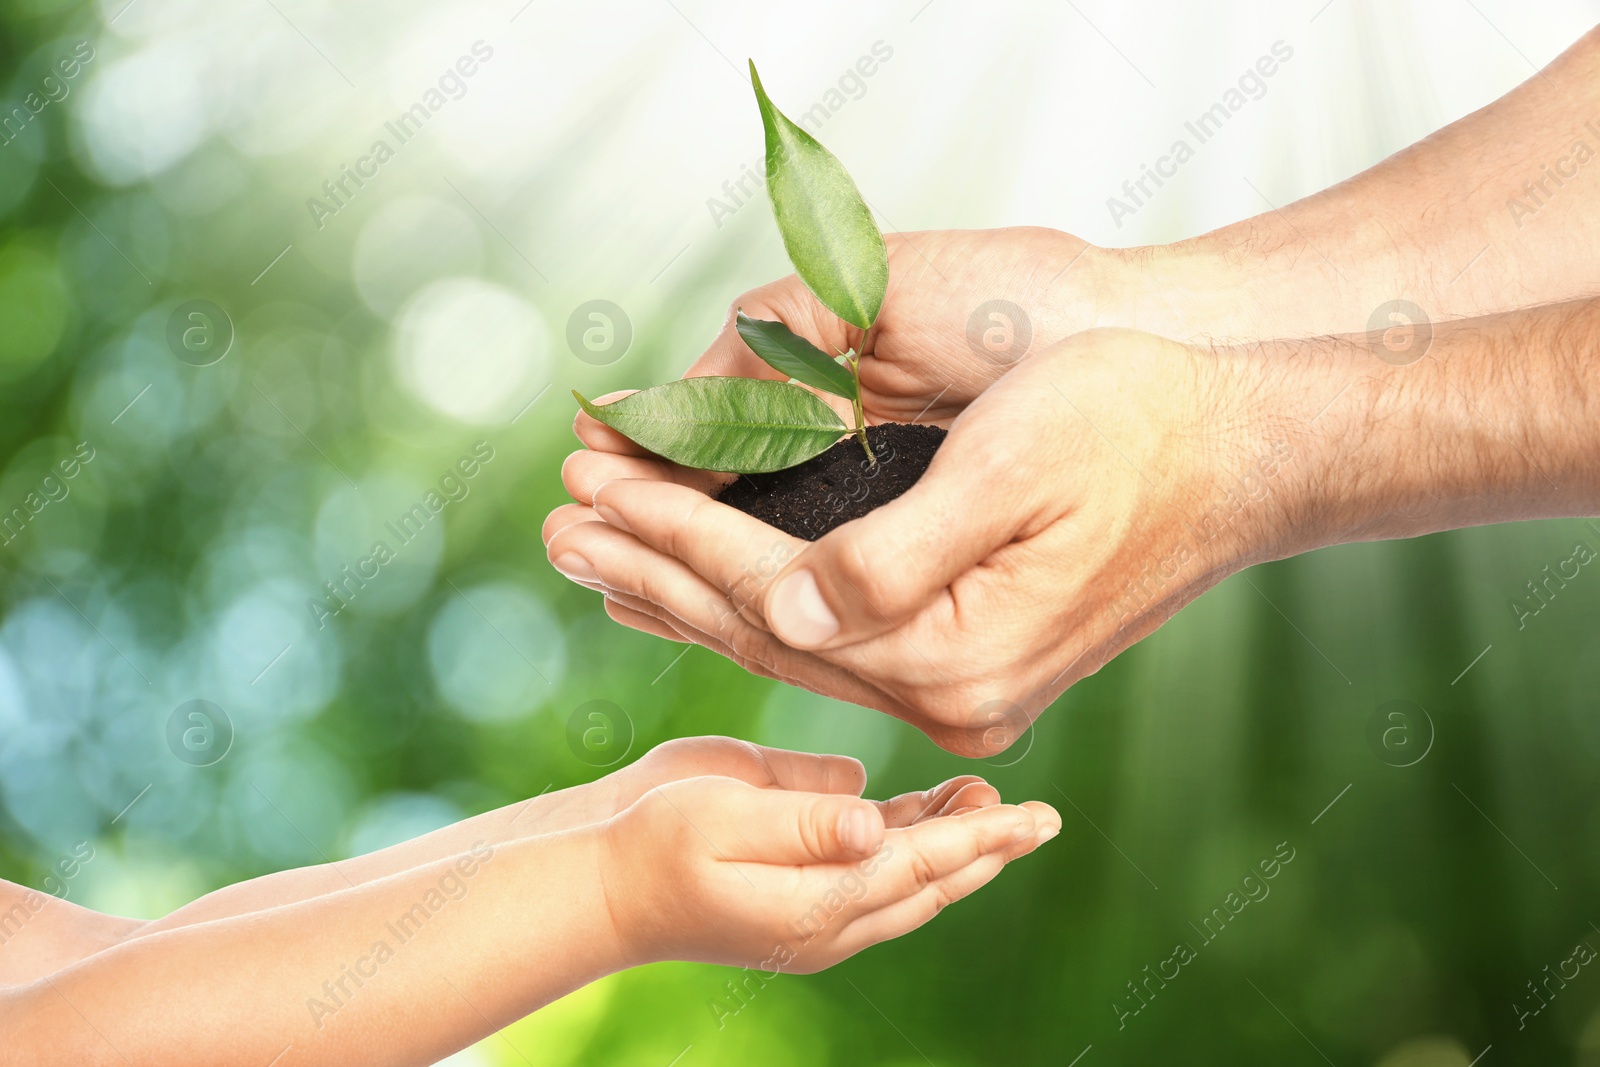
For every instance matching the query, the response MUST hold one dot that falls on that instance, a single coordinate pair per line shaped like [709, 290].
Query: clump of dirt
[829, 490]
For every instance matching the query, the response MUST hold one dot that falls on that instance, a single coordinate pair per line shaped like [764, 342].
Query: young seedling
[749, 426]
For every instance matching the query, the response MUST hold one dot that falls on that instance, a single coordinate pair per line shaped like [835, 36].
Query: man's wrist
[1253, 280]
[1317, 267]
[1190, 291]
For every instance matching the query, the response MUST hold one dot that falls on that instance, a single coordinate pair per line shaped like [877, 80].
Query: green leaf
[789, 353]
[827, 229]
[741, 425]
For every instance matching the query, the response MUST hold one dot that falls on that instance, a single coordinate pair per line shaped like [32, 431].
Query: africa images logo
[53, 88]
[352, 178]
[352, 579]
[1252, 85]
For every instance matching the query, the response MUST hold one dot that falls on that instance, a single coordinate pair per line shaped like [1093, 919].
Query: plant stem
[855, 403]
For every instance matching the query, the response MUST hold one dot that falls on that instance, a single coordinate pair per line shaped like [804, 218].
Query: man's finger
[605, 554]
[668, 588]
[597, 435]
[786, 300]
[867, 576]
[642, 622]
[586, 470]
[732, 551]
[699, 637]
[665, 587]
[564, 516]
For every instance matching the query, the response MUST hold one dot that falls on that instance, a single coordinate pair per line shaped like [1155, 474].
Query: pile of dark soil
[829, 490]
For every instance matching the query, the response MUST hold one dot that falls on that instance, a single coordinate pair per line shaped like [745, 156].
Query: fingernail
[855, 829]
[1047, 833]
[612, 516]
[576, 567]
[798, 614]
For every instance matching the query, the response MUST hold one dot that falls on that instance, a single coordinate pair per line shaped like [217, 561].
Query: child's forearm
[561, 810]
[403, 969]
[40, 933]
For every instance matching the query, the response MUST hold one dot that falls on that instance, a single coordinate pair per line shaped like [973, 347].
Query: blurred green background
[1441, 846]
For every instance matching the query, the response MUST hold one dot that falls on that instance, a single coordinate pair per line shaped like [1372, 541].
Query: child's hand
[698, 757]
[777, 768]
[718, 870]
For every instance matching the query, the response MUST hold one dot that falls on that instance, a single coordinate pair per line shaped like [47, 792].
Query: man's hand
[921, 364]
[1072, 510]
[1088, 495]
[1140, 501]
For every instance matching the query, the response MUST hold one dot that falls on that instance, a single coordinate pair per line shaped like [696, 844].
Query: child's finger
[1046, 824]
[780, 828]
[904, 916]
[922, 854]
[809, 772]
[762, 767]
[978, 794]
[1046, 818]
[909, 808]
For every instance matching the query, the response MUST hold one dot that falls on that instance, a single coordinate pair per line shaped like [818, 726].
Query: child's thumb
[813, 827]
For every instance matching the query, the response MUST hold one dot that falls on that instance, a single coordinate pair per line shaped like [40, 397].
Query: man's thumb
[870, 574]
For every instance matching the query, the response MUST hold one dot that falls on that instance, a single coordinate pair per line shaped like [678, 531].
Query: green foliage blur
[397, 338]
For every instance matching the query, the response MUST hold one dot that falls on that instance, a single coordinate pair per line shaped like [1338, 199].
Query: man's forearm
[1499, 421]
[1499, 210]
